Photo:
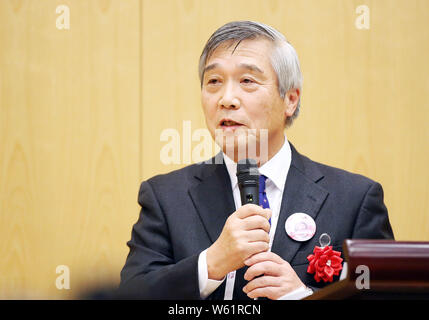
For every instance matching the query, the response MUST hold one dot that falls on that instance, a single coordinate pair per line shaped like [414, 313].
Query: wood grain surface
[82, 111]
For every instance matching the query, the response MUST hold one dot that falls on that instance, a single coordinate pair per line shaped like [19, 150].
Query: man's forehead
[255, 49]
[235, 46]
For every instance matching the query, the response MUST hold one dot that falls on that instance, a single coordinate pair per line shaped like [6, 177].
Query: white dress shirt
[276, 170]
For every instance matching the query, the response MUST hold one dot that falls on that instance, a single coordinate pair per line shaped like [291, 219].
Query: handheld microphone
[248, 181]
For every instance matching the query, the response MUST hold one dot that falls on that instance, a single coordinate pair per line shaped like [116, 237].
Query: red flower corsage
[324, 263]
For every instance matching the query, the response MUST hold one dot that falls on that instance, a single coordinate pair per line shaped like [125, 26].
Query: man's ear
[291, 101]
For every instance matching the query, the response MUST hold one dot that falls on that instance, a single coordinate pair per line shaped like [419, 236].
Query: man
[195, 240]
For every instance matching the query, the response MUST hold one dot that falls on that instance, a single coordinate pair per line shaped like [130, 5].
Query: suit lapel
[301, 194]
[213, 198]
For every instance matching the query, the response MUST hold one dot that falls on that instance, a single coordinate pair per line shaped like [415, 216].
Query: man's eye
[247, 81]
[212, 81]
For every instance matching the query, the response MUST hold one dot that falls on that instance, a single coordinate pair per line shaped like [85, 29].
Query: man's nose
[229, 99]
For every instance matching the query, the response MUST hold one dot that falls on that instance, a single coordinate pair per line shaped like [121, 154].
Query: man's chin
[242, 144]
[239, 147]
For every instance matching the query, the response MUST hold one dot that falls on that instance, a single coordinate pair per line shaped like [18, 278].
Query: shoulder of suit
[184, 176]
[336, 174]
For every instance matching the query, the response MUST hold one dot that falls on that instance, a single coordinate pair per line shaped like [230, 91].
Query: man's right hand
[244, 234]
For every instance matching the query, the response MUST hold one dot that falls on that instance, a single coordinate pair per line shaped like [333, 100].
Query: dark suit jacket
[183, 213]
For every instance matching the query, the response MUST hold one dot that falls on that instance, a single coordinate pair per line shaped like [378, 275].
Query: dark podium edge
[398, 270]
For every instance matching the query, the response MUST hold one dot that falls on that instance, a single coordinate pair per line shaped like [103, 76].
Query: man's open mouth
[225, 123]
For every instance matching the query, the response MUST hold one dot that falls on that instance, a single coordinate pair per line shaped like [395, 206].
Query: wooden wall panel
[69, 134]
[82, 111]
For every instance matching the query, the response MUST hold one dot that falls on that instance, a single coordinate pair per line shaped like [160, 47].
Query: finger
[265, 292]
[269, 213]
[267, 268]
[264, 256]
[252, 209]
[257, 222]
[257, 246]
[257, 235]
[261, 282]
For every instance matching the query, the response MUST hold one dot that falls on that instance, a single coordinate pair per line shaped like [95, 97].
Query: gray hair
[283, 59]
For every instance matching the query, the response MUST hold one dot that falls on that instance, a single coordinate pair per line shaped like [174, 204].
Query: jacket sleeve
[372, 221]
[150, 271]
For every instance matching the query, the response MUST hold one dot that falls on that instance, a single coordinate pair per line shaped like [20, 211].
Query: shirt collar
[275, 169]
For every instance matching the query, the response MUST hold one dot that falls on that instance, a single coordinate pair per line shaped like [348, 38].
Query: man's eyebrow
[250, 67]
[247, 66]
[210, 67]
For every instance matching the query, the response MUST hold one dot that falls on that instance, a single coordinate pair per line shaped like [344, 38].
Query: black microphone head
[246, 165]
[248, 181]
[247, 169]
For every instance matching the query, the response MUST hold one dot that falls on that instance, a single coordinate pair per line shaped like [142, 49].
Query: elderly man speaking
[195, 239]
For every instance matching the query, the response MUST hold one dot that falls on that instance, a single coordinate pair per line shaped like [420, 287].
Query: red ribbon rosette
[324, 263]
